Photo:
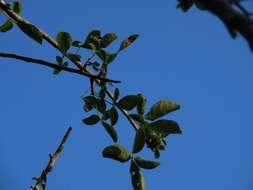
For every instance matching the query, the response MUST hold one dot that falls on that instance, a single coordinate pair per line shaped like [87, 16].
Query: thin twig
[21, 21]
[41, 181]
[48, 64]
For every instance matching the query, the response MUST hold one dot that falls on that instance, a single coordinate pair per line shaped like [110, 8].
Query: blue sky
[188, 58]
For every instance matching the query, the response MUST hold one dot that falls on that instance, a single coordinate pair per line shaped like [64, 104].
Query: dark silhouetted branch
[48, 64]
[236, 21]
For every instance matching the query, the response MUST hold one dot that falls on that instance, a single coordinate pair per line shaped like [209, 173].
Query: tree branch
[41, 181]
[48, 64]
[235, 21]
[50, 40]
[21, 21]
[54, 66]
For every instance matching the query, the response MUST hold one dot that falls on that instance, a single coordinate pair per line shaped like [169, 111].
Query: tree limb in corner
[235, 17]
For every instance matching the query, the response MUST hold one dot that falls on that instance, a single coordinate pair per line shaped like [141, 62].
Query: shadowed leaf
[137, 117]
[137, 177]
[128, 102]
[146, 164]
[116, 152]
[91, 120]
[165, 127]
[108, 39]
[64, 41]
[6, 26]
[30, 30]
[127, 42]
[111, 131]
[161, 108]
[17, 7]
[139, 140]
[142, 101]
[92, 40]
[114, 115]
[116, 95]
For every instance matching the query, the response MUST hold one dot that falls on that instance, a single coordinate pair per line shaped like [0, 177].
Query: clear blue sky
[188, 58]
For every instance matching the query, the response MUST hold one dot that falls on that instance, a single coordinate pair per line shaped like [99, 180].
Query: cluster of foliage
[151, 128]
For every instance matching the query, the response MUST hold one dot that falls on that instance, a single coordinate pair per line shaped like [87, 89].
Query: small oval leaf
[165, 127]
[146, 164]
[116, 95]
[161, 108]
[114, 115]
[17, 7]
[6, 26]
[111, 131]
[108, 39]
[139, 140]
[142, 101]
[116, 152]
[128, 41]
[64, 41]
[30, 30]
[128, 102]
[137, 178]
[137, 117]
[91, 120]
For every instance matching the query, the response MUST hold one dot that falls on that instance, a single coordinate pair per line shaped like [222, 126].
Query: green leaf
[137, 117]
[17, 7]
[87, 107]
[114, 115]
[75, 57]
[91, 120]
[101, 106]
[142, 101]
[59, 60]
[105, 56]
[116, 152]
[111, 131]
[160, 109]
[165, 127]
[92, 41]
[30, 30]
[64, 41]
[108, 39]
[128, 102]
[128, 41]
[146, 164]
[90, 100]
[137, 177]
[134, 167]
[115, 96]
[6, 26]
[139, 140]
